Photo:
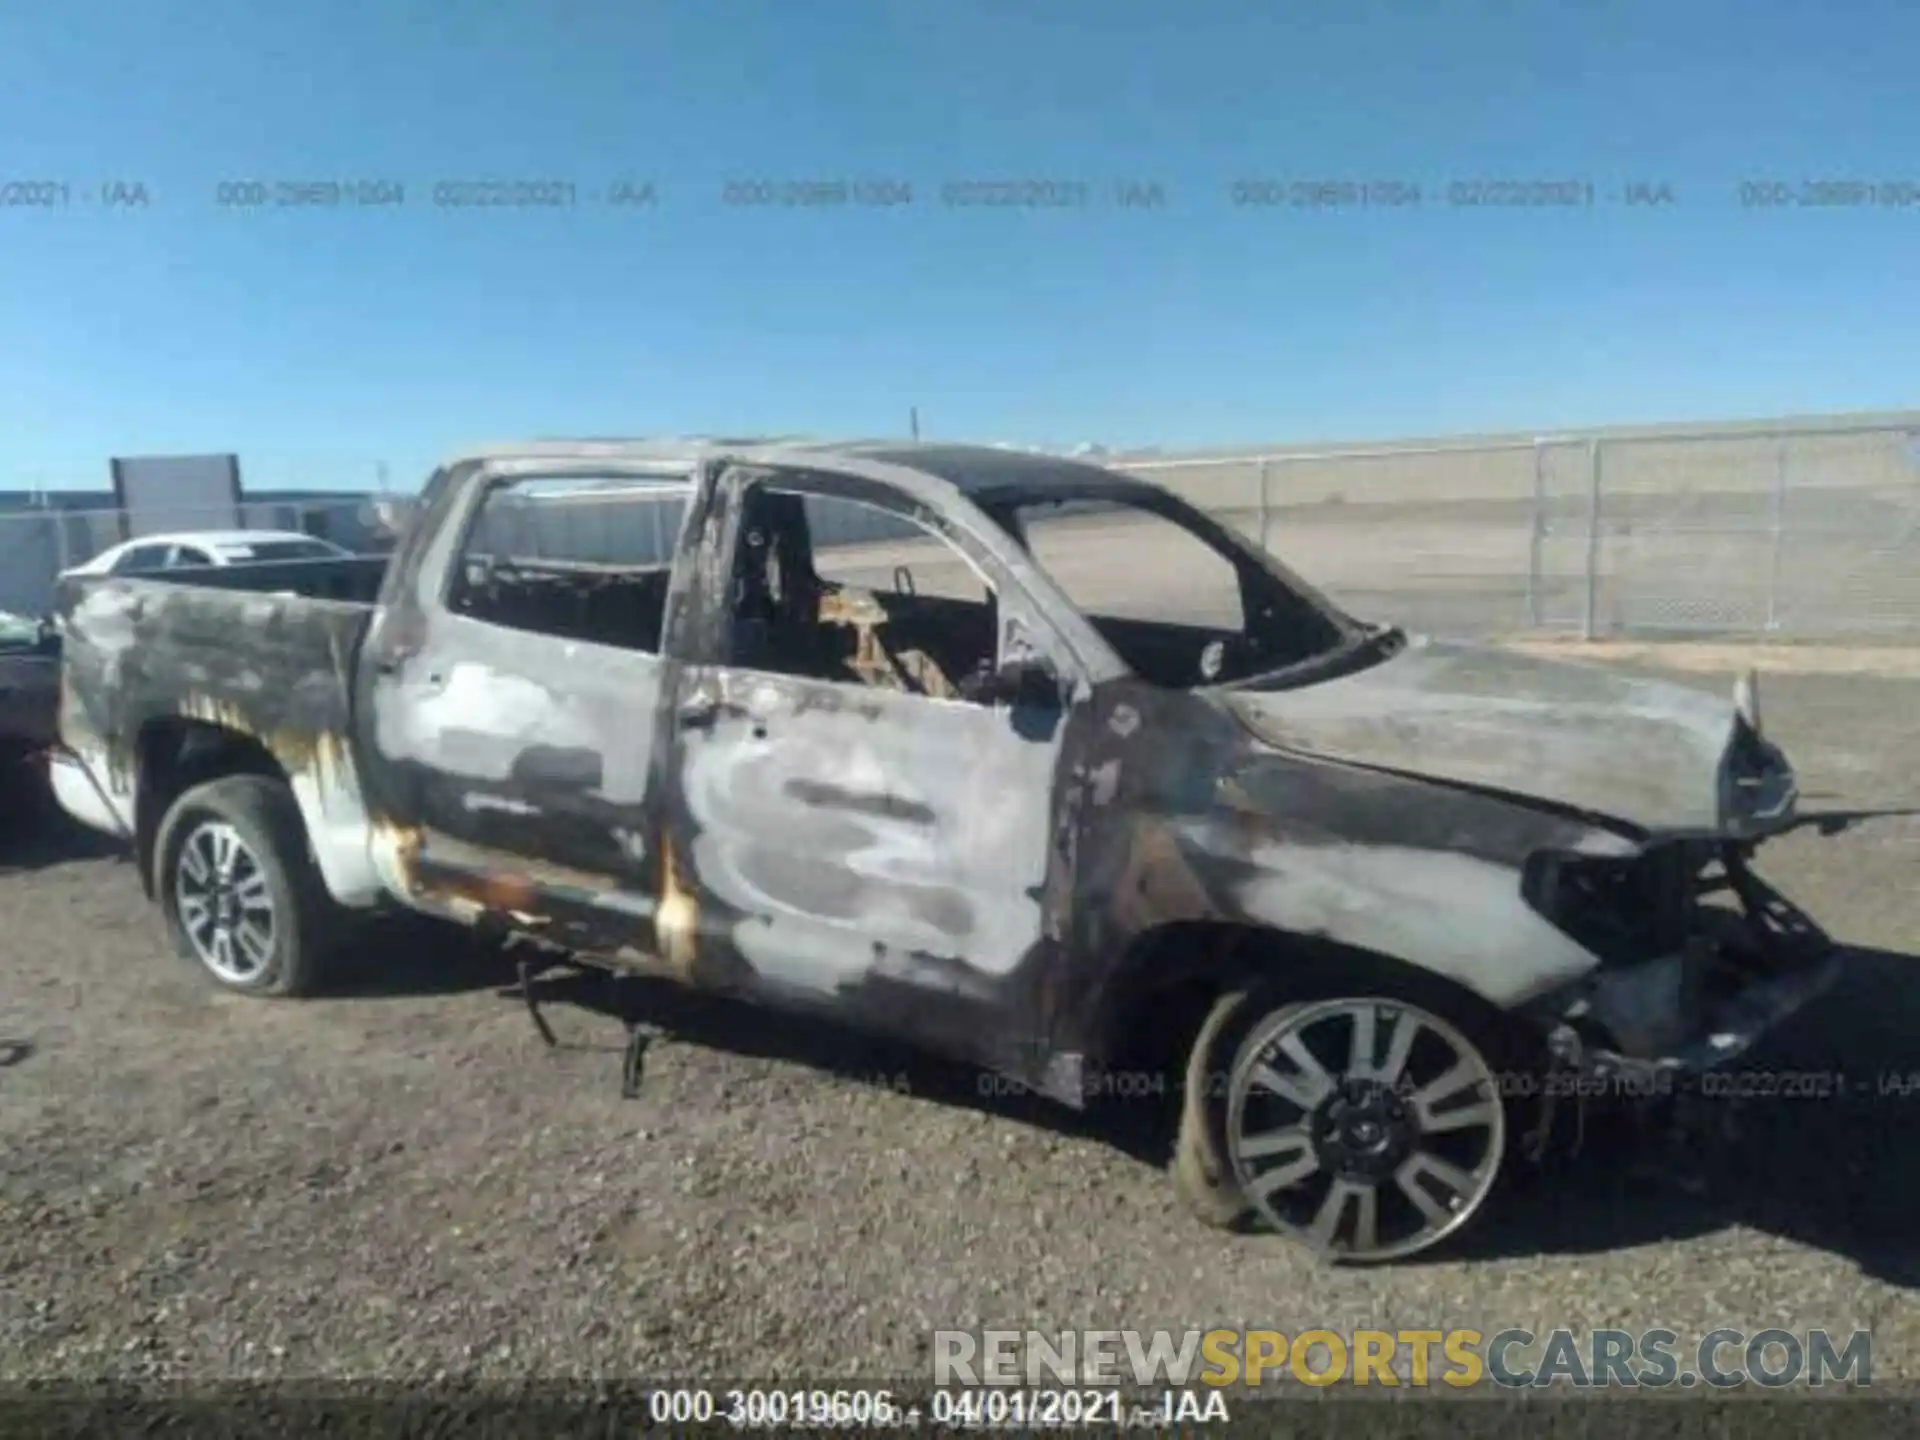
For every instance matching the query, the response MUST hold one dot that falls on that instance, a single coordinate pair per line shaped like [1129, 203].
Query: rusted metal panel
[276, 669]
[523, 759]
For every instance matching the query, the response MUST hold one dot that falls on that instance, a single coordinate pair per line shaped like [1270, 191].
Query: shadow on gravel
[35, 832]
[1142, 1131]
[410, 954]
[1826, 1149]
[1834, 1165]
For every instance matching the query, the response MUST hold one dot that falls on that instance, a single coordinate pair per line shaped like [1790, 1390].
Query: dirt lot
[402, 1181]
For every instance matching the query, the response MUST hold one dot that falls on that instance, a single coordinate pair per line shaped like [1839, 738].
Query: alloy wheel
[1368, 1128]
[224, 903]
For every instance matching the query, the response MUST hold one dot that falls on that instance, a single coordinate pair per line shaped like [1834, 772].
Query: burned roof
[980, 472]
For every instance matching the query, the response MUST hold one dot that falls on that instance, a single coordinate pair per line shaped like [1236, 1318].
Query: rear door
[511, 688]
[851, 830]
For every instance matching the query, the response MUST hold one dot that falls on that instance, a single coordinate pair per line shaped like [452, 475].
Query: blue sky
[321, 343]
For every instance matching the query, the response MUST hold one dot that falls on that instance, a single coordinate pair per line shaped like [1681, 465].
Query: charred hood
[1656, 756]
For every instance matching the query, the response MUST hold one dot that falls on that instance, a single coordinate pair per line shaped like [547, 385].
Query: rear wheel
[239, 889]
[1367, 1127]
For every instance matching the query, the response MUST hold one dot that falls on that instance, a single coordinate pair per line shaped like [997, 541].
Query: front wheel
[238, 886]
[1369, 1128]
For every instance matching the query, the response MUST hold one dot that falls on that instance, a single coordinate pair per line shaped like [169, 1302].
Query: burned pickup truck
[1013, 757]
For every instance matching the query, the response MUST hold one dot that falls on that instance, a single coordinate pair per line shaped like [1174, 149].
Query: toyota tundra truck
[1011, 757]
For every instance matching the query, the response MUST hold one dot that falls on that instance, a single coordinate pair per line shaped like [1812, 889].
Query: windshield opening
[1182, 600]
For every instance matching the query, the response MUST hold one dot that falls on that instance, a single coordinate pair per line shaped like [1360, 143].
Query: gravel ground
[402, 1182]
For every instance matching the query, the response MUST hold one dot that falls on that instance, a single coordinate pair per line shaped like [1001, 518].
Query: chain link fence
[1805, 532]
[1809, 531]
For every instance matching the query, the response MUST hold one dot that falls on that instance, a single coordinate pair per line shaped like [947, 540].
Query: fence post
[1266, 504]
[1538, 535]
[1779, 531]
[1589, 611]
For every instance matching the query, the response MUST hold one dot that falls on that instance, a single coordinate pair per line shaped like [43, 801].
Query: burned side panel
[859, 838]
[272, 668]
[877, 850]
[509, 709]
[517, 766]
[1187, 821]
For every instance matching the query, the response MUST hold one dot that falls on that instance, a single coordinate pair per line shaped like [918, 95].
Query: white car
[148, 553]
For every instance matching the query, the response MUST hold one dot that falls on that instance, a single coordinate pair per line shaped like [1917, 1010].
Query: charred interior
[789, 618]
[624, 606]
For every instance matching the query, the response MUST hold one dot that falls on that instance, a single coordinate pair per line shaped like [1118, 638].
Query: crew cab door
[865, 821]
[509, 698]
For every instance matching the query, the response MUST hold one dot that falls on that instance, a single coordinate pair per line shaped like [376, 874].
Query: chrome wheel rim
[1366, 1128]
[224, 903]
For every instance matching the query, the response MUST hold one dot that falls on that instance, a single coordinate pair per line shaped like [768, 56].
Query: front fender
[1459, 916]
[1429, 875]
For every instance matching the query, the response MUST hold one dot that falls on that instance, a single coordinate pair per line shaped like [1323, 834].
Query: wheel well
[1172, 975]
[174, 755]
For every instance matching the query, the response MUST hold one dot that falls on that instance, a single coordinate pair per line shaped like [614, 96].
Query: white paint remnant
[1106, 782]
[479, 721]
[1452, 914]
[500, 803]
[953, 834]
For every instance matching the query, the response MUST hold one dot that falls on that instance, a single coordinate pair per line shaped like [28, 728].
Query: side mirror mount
[1024, 685]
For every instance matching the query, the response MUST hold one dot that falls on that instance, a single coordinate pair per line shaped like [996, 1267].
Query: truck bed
[266, 651]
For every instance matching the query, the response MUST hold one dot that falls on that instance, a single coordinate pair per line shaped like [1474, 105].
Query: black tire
[1202, 1174]
[262, 813]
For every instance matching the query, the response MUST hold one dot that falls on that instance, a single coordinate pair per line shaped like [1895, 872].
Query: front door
[862, 830]
[512, 711]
